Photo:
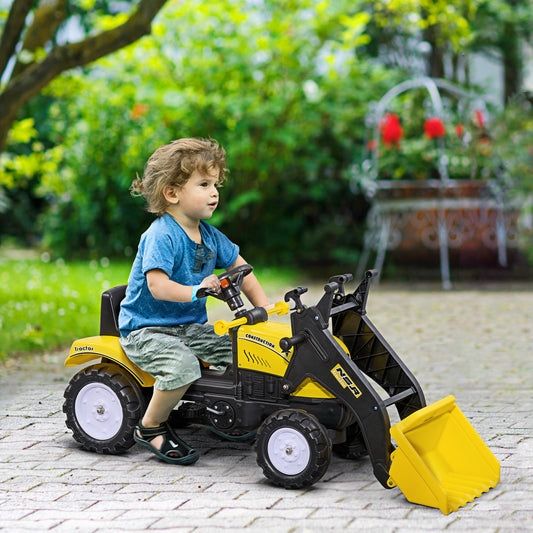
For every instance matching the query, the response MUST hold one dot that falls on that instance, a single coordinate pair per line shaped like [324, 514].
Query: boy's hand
[211, 282]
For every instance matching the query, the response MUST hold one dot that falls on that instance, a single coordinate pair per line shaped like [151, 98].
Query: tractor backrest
[109, 309]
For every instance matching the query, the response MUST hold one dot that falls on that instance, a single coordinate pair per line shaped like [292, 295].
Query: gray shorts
[170, 354]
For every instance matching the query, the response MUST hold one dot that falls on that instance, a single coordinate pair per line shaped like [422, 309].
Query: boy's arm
[251, 287]
[163, 288]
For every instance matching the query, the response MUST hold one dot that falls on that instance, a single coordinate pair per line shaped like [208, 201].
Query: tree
[454, 28]
[402, 26]
[279, 83]
[500, 29]
[38, 57]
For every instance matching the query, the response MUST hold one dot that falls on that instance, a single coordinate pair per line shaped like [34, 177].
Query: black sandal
[171, 444]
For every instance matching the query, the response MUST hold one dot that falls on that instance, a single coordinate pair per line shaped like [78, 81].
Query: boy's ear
[171, 194]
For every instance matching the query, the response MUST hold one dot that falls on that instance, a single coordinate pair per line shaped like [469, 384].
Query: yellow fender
[91, 348]
[440, 460]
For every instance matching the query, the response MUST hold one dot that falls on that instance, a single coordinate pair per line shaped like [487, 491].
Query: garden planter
[459, 222]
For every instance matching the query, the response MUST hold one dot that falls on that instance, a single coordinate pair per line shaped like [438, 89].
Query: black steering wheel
[230, 286]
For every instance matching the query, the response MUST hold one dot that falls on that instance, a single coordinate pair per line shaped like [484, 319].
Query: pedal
[188, 413]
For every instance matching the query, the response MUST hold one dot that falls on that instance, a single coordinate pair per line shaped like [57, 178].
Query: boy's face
[198, 198]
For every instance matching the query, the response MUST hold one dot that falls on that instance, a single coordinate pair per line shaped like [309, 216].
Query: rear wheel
[102, 406]
[293, 449]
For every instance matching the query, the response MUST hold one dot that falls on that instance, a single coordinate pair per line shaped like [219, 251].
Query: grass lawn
[45, 305]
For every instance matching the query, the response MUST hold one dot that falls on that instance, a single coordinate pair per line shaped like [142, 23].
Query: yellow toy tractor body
[302, 390]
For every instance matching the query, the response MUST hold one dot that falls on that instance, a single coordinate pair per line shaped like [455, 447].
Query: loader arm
[376, 359]
[371, 352]
[319, 356]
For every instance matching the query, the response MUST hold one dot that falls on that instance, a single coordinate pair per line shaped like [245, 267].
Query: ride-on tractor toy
[305, 388]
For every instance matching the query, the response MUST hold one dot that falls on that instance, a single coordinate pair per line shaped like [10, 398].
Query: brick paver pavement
[474, 344]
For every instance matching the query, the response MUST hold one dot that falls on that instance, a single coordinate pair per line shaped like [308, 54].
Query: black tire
[293, 449]
[103, 405]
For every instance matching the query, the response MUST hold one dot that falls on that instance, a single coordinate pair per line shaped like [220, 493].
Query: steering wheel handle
[236, 274]
[230, 286]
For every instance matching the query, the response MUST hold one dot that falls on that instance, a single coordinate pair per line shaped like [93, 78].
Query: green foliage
[512, 134]
[449, 20]
[45, 304]
[279, 84]
[28, 157]
[92, 213]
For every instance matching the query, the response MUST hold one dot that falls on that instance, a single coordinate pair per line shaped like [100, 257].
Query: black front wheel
[103, 405]
[293, 449]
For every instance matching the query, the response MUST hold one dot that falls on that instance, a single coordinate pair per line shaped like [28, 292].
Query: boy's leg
[207, 345]
[168, 354]
[159, 409]
[161, 405]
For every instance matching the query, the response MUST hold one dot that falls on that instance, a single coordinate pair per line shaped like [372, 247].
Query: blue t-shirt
[166, 246]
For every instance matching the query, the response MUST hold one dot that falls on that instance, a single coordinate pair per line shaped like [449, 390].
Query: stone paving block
[209, 529]
[9, 513]
[53, 487]
[59, 503]
[20, 483]
[523, 517]
[28, 524]
[486, 523]
[410, 527]
[198, 519]
[101, 524]
[95, 495]
[34, 498]
[148, 505]
[158, 488]
[47, 470]
[313, 524]
[176, 527]
[207, 502]
[68, 514]
[83, 526]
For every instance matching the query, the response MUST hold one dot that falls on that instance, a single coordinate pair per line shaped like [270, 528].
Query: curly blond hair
[172, 164]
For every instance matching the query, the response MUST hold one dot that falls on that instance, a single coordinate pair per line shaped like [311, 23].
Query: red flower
[371, 145]
[459, 130]
[480, 119]
[434, 128]
[391, 129]
[138, 110]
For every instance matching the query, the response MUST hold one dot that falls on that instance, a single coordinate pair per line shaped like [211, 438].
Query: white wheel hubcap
[98, 411]
[288, 451]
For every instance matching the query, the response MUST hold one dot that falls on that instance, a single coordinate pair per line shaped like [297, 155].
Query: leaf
[243, 200]
[22, 131]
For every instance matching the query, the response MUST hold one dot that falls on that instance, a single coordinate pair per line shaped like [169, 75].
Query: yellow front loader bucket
[440, 460]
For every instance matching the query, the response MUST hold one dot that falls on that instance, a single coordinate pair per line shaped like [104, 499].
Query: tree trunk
[436, 57]
[512, 61]
[31, 80]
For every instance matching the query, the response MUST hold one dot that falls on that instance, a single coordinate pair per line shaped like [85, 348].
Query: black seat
[109, 310]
